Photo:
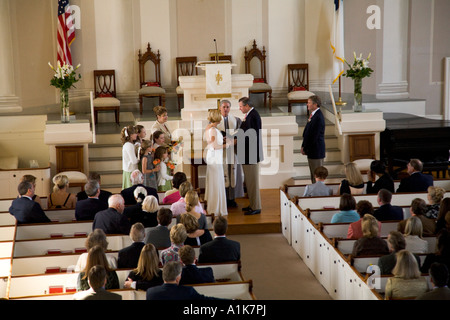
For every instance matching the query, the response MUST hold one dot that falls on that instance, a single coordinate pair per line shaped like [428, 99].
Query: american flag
[66, 32]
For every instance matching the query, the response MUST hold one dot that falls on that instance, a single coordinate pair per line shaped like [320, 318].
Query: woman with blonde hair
[354, 182]
[370, 243]
[147, 274]
[178, 236]
[96, 256]
[413, 236]
[60, 198]
[434, 196]
[407, 281]
[215, 193]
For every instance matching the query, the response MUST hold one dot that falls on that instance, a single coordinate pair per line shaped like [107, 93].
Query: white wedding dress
[215, 182]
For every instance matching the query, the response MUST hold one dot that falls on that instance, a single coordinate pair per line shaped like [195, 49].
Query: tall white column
[9, 102]
[395, 50]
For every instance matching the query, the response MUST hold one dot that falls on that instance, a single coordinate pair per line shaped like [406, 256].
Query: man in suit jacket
[87, 208]
[171, 290]
[137, 179]
[439, 278]
[220, 249]
[313, 145]
[384, 181]
[386, 211]
[111, 220]
[24, 208]
[417, 181]
[159, 236]
[103, 196]
[250, 153]
[128, 257]
[97, 281]
[191, 274]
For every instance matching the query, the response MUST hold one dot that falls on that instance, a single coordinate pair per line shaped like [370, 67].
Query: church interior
[405, 107]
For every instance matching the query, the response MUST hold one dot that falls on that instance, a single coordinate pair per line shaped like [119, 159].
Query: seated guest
[137, 180]
[87, 208]
[60, 197]
[348, 214]
[134, 212]
[370, 243]
[147, 274]
[96, 256]
[178, 236]
[159, 236]
[191, 274]
[97, 280]
[24, 209]
[386, 211]
[407, 281]
[417, 181]
[112, 220]
[149, 212]
[195, 235]
[173, 195]
[103, 196]
[418, 209]
[354, 182]
[170, 290]
[434, 196]
[179, 207]
[439, 279]
[220, 249]
[396, 242]
[96, 238]
[378, 178]
[128, 257]
[413, 236]
[442, 254]
[32, 179]
[319, 188]
[354, 229]
[444, 208]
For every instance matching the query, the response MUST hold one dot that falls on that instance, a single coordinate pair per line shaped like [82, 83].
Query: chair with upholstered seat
[150, 89]
[258, 70]
[298, 84]
[186, 66]
[105, 93]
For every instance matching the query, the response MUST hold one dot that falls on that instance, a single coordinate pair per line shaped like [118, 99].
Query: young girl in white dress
[164, 178]
[129, 158]
[215, 183]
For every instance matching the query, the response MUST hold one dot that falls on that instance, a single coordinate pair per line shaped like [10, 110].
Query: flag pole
[340, 102]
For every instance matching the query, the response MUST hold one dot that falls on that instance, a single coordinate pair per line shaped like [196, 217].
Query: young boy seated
[319, 188]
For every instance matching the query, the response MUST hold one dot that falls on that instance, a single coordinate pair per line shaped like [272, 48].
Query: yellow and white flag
[218, 80]
[337, 40]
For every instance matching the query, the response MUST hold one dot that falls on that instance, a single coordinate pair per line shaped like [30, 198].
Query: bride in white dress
[215, 182]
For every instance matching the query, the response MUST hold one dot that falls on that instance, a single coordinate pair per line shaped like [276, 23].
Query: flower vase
[64, 100]
[357, 106]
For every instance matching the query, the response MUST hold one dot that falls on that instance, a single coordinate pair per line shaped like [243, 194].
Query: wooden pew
[7, 219]
[362, 263]
[53, 230]
[339, 230]
[345, 246]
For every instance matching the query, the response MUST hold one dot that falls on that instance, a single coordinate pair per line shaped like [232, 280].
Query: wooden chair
[185, 67]
[105, 93]
[260, 84]
[298, 84]
[150, 89]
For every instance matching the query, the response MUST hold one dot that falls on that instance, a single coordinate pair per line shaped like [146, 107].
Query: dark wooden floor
[268, 221]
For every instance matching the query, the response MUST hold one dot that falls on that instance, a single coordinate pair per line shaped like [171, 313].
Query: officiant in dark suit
[250, 153]
[313, 145]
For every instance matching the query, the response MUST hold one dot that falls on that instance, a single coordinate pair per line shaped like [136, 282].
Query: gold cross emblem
[219, 77]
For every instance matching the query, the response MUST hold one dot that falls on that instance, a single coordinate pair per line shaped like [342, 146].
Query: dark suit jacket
[169, 291]
[102, 294]
[220, 249]
[314, 136]
[159, 236]
[436, 294]
[87, 208]
[384, 182]
[103, 196]
[416, 182]
[388, 212]
[26, 210]
[135, 214]
[250, 129]
[111, 222]
[129, 256]
[128, 193]
[191, 274]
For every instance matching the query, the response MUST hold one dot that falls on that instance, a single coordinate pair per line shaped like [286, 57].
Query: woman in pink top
[355, 229]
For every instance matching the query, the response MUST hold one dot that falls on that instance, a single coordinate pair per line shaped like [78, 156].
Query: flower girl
[164, 178]
[129, 158]
[148, 168]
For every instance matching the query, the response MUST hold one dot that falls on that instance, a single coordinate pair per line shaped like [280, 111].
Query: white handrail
[337, 116]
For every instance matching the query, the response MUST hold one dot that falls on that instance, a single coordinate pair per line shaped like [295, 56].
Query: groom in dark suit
[250, 153]
[313, 145]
